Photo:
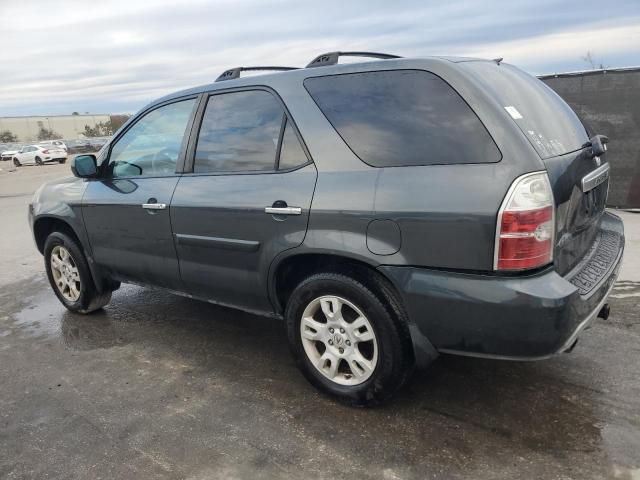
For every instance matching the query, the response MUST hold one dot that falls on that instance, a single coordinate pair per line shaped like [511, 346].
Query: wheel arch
[44, 225]
[289, 271]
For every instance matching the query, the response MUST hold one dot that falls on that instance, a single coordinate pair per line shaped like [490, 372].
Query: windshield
[548, 122]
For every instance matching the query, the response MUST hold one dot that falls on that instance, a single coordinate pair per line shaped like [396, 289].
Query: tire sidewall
[381, 383]
[86, 282]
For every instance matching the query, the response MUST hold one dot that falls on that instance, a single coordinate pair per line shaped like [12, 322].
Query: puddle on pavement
[41, 316]
[44, 317]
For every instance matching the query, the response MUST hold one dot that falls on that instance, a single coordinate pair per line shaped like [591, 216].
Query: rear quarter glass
[402, 118]
[550, 125]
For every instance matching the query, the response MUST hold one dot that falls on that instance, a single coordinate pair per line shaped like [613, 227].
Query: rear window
[402, 117]
[547, 121]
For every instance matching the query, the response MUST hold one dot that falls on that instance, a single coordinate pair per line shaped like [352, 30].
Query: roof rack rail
[234, 73]
[331, 58]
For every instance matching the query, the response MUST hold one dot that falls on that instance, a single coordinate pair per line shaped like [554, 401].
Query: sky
[103, 56]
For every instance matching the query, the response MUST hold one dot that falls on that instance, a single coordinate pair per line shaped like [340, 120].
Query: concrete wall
[69, 126]
[609, 101]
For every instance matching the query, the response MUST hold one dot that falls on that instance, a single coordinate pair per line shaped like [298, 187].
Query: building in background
[608, 101]
[66, 126]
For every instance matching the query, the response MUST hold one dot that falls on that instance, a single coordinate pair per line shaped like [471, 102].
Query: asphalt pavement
[161, 386]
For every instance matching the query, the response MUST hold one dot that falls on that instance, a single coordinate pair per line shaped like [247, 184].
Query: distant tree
[8, 137]
[105, 129]
[100, 129]
[45, 134]
[590, 59]
[75, 113]
[117, 121]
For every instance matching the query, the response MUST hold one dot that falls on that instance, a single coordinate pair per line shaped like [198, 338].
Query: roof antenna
[498, 60]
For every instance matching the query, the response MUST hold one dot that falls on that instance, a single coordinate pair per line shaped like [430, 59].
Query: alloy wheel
[65, 273]
[339, 340]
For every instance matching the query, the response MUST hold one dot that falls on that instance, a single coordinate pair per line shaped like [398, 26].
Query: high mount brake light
[525, 229]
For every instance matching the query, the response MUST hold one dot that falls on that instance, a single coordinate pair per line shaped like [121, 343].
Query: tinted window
[402, 117]
[239, 132]
[291, 153]
[152, 145]
[547, 121]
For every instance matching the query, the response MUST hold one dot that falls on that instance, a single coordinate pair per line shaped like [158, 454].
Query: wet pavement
[161, 386]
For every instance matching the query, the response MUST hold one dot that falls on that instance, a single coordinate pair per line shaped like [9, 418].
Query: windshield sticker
[513, 111]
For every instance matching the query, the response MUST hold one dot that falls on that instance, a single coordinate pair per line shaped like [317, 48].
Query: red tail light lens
[526, 225]
[45, 151]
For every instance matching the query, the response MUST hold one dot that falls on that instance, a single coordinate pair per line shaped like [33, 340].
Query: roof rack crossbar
[331, 58]
[234, 73]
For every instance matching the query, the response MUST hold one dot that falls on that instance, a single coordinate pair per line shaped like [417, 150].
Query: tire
[88, 299]
[62, 160]
[388, 354]
[39, 161]
[16, 162]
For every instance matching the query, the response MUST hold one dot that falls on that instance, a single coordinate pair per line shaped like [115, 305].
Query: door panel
[126, 212]
[225, 239]
[27, 157]
[131, 241]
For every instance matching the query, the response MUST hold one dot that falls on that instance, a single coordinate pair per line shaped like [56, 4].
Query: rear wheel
[16, 162]
[62, 160]
[345, 340]
[39, 161]
[69, 275]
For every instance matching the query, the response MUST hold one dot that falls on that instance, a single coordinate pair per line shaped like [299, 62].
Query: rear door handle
[283, 210]
[154, 206]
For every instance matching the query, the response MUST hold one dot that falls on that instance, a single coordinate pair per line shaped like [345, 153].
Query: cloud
[115, 56]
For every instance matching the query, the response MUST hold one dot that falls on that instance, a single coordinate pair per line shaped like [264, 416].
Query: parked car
[54, 144]
[388, 211]
[38, 155]
[98, 142]
[79, 146]
[9, 152]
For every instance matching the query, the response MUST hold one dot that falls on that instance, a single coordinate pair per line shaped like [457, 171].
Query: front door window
[152, 146]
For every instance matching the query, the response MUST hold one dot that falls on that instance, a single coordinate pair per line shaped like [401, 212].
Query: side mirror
[84, 166]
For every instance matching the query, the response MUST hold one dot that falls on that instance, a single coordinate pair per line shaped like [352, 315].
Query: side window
[151, 147]
[239, 132]
[402, 117]
[291, 153]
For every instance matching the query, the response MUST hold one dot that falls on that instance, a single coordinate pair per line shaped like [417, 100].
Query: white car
[39, 155]
[54, 144]
[9, 154]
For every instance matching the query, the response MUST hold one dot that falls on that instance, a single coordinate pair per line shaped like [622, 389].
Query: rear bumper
[518, 318]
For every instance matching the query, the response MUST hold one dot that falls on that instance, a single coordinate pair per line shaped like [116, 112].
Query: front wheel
[346, 340]
[69, 275]
[62, 160]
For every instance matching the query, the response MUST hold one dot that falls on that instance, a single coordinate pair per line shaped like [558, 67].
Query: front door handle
[154, 206]
[283, 210]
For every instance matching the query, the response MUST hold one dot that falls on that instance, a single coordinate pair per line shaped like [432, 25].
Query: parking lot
[161, 386]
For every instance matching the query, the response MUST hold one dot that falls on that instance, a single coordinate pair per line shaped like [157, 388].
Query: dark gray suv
[388, 211]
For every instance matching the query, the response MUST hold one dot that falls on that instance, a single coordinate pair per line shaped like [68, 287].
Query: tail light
[526, 224]
[45, 151]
